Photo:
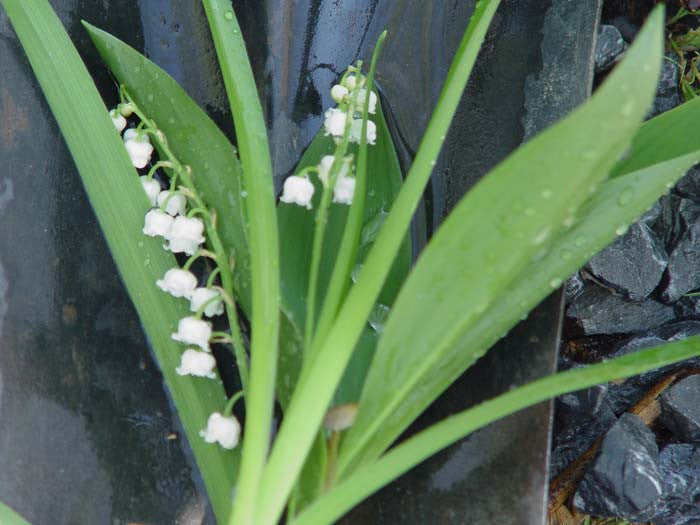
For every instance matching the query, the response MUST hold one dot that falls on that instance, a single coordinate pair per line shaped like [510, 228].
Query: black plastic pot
[87, 434]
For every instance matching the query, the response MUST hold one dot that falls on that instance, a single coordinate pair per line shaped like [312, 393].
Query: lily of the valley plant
[351, 342]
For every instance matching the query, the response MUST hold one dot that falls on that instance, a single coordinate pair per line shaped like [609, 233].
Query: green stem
[229, 405]
[344, 262]
[212, 276]
[320, 228]
[200, 310]
[156, 166]
[315, 389]
[201, 253]
[367, 479]
[251, 135]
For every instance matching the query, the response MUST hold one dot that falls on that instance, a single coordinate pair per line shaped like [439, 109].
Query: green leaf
[195, 138]
[296, 227]
[10, 517]
[665, 137]
[487, 243]
[264, 250]
[120, 204]
[400, 459]
[315, 389]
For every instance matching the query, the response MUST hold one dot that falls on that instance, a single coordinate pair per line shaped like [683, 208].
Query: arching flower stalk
[181, 217]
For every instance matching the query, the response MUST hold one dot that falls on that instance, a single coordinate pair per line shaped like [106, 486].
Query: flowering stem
[185, 174]
[353, 227]
[320, 229]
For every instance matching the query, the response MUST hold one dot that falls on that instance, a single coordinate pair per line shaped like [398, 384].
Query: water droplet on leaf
[625, 197]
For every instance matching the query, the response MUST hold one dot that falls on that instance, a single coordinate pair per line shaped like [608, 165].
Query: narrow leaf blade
[120, 204]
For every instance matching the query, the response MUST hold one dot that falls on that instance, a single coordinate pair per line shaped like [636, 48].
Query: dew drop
[137, 69]
[228, 15]
[355, 272]
[580, 240]
[171, 120]
[546, 193]
[542, 236]
[150, 97]
[378, 316]
[566, 255]
[625, 197]
[621, 229]
[244, 194]
[529, 212]
[627, 108]
[140, 244]
[555, 283]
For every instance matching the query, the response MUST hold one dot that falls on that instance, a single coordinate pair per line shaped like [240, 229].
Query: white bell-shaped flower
[118, 120]
[356, 131]
[361, 94]
[334, 122]
[151, 187]
[126, 109]
[223, 430]
[193, 331]
[196, 363]
[297, 190]
[350, 82]
[138, 146]
[186, 235]
[178, 283]
[202, 295]
[157, 223]
[344, 190]
[176, 203]
[324, 168]
[338, 93]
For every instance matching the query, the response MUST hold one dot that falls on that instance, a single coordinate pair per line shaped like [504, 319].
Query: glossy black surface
[84, 420]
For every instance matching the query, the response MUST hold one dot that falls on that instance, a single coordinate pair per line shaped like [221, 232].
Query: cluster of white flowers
[224, 430]
[350, 95]
[167, 218]
[336, 118]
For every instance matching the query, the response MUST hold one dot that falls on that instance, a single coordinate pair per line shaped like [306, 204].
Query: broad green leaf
[296, 226]
[504, 223]
[316, 388]
[120, 204]
[196, 140]
[366, 480]
[10, 517]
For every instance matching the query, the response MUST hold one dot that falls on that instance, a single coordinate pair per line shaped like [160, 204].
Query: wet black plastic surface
[84, 420]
